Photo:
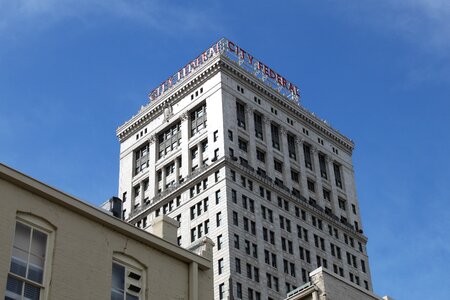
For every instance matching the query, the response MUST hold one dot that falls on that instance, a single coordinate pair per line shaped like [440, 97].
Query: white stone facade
[180, 180]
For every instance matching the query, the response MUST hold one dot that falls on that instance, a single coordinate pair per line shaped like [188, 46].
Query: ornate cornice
[154, 109]
[299, 111]
[222, 63]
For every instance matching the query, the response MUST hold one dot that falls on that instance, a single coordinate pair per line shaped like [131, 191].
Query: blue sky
[72, 71]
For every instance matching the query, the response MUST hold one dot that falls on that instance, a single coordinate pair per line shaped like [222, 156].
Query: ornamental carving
[184, 116]
[249, 109]
[283, 130]
[299, 140]
[152, 139]
[266, 120]
[168, 112]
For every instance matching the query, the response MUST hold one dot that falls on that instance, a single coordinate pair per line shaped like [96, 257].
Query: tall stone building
[225, 147]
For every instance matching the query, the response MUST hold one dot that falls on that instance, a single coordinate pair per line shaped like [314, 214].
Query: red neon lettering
[272, 74]
[250, 58]
[243, 52]
[231, 46]
[293, 89]
[260, 65]
[279, 79]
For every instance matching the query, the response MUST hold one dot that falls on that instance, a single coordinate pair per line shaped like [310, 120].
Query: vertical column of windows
[169, 140]
[198, 119]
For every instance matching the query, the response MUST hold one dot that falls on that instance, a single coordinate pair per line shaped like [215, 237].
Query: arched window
[28, 275]
[127, 278]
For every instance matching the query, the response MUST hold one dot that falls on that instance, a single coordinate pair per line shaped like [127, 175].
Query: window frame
[36, 224]
[131, 265]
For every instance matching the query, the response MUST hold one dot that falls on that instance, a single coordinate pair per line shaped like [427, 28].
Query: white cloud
[422, 24]
[22, 15]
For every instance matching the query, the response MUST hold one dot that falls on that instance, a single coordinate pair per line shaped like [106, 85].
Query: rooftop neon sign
[243, 59]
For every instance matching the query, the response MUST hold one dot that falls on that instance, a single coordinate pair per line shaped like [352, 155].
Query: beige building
[324, 285]
[54, 246]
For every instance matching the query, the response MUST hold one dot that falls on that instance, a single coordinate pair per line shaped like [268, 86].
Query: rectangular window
[198, 119]
[169, 139]
[236, 241]
[239, 290]
[311, 185]
[323, 166]
[26, 273]
[218, 219]
[307, 154]
[258, 125]
[295, 176]
[220, 266]
[240, 113]
[238, 265]
[235, 218]
[141, 159]
[219, 242]
[221, 291]
[337, 175]
[275, 130]
[218, 197]
[260, 155]
[326, 195]
[242, 144]
[342, 203]
[291, 147]
[278, 165]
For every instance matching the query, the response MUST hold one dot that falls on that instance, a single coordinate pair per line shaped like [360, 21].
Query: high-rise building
[225, 147]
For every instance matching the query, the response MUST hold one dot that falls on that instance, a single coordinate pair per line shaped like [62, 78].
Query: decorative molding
[168, 112]
[249, 109]
[184, 116]
[152, 110]
[266, 120]
[299, 140]
[283, 130]
[152, 139]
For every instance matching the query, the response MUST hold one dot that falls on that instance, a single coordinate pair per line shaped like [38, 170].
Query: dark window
[311, 185]
[275, 130]
[169, 140]
[198, 119]
[230, 135]
[291, 146]
[258, 125]
[260, 155]
[337, 175]
[278, 165]
[323, 166]
[242, 144]
[307, 153]
[240, 112]
[295, 176]
[141, 159]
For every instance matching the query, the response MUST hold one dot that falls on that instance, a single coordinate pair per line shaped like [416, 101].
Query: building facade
[323, 285]
[54, 246]
[225, 148]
